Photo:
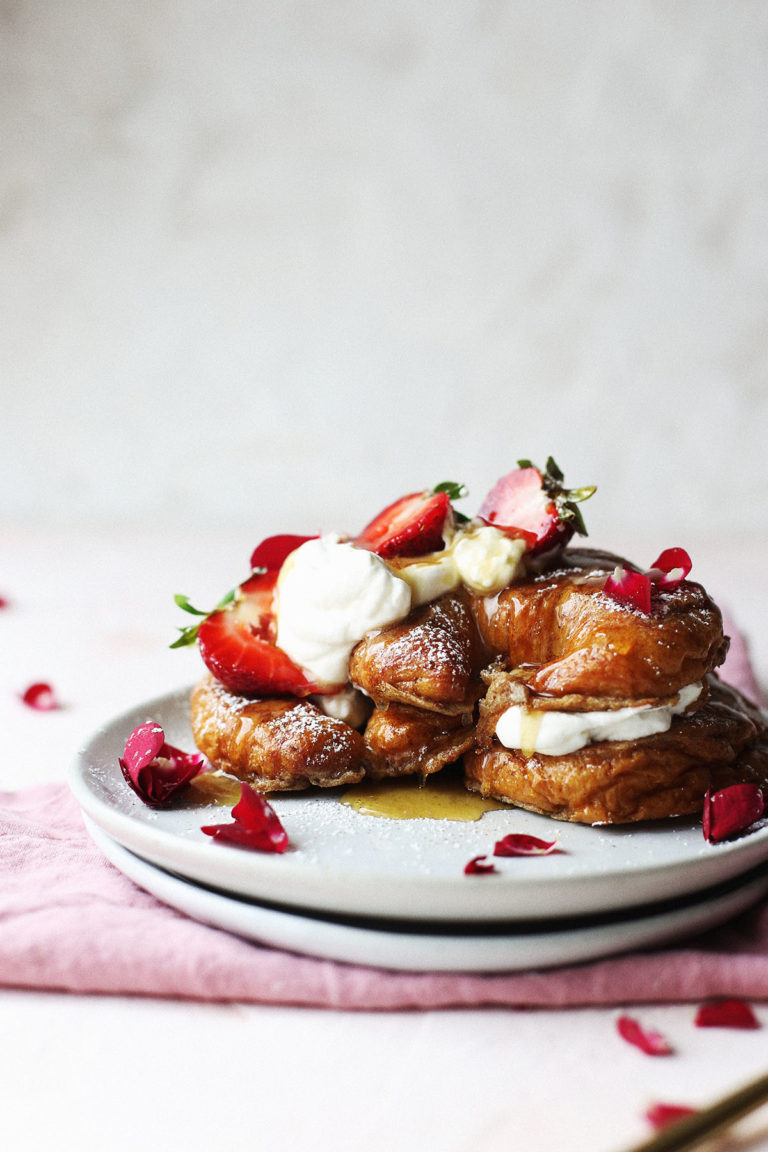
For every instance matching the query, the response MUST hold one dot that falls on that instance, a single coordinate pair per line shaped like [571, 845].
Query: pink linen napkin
[71, 921]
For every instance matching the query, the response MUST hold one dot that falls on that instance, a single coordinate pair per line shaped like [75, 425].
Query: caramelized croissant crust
[722, 742]
[401, 741]
[573, 639]
[432, 660]
[275, 744]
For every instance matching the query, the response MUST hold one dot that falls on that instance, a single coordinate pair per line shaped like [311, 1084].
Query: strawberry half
[237, 645]
[412, 526]
[534, 505]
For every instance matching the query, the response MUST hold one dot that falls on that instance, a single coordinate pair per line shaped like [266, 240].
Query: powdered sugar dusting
[439, 642]
[226, 699]
[306, 723]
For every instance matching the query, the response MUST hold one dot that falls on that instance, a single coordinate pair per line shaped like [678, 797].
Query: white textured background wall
[275, 263]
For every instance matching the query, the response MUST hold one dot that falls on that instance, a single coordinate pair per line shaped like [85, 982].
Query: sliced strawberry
[534, 506]
[412, 526]
[237, 645]
[271, 553]
[518, 504]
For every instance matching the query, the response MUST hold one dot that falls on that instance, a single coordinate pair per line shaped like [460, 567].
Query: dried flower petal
[519, 844]
[662, 1115]
[731, 1013]
[156, 770]
[255, 824]
[671, 568]
[478, 867]
[731, 810]
[271, 553]
[41, 697]
[627, 587]
[648, 1041]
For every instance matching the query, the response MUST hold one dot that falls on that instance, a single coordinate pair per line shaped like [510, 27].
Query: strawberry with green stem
[536, 506]
[414, 525]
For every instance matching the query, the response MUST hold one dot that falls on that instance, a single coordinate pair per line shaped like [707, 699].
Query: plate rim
[292, 931]
[187, 858]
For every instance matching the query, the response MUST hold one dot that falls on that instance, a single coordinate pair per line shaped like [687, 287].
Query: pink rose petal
[255, 824]
[156, 770]
[634, 588]
[731, 1013]
[478, 866]
[672, 567]
[648, 1041]
[142, 746]
[41, 697]
[631, 588]
[662, 1115]
[519, 844]
[731, 810]
[271, 553]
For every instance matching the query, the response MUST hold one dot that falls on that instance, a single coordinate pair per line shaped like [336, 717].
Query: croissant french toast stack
[568, 681]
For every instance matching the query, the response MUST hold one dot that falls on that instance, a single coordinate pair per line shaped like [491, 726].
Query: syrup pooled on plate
[215, 788]
[440, 797]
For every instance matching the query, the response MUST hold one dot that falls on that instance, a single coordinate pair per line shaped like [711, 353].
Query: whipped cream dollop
[348, 704]
[558, 733]
[329, 595]
[482, 558]
[487, 559]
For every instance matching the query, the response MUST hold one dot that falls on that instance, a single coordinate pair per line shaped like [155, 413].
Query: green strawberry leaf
[188, 636]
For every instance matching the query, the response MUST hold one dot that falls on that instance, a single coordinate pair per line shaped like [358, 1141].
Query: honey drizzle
[530, 723]
[442, 796]
[215, 788]
[439, 797]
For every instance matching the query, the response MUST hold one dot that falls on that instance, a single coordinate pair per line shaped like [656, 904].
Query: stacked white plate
[393, 893]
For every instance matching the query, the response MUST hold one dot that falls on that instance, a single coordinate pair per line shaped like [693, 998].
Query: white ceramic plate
[542, 945]
[346, 863]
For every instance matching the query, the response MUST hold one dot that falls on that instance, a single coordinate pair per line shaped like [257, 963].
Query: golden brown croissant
[431, 660]
[275, 744]
[574, 639]
[401, 741]
[722, 742]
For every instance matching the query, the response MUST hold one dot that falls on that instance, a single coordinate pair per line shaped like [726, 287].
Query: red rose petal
[673, 566]
[3, 602]
[518, 844]
[255, 824]
[271, 553]
[731, 1013]
[156, 770]
[731, 810]
[662, 1115]
[648, 1041]
[631, 588]
[477, 867]
[143, 745]
[41, 697]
